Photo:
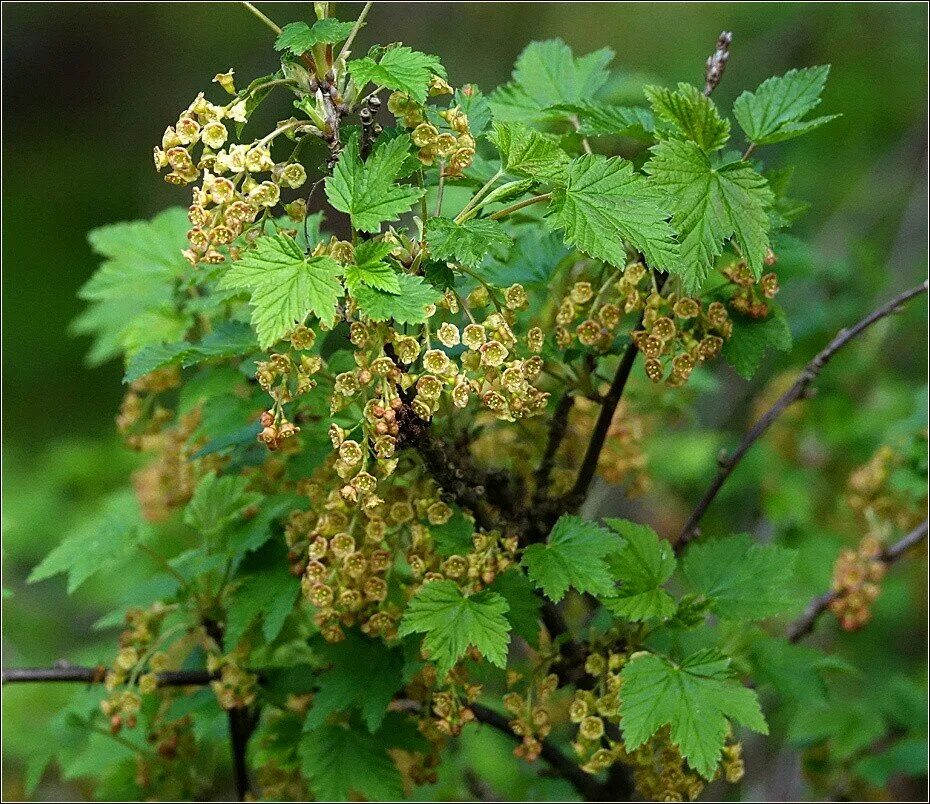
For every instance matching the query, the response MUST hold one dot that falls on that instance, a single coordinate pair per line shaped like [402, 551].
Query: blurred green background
[88, 89]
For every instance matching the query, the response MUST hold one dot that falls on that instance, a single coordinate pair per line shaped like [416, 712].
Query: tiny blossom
[225, 80]
[448, 335]
[515, 297]
[473, 336]
[493, 353]
[436, 361]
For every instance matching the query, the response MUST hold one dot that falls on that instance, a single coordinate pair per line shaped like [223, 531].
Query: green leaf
[156, 356]
[598, 119]
[467, 242]
[267, 591]
[217, 502]
[752, 337]
[298, 37]
[642, 565]
[773, 112]
[453, 622]
[285, 285]
[711, 203]
[371, 269]
[97, 545]
[400, 68]
[365, 675]
[692, 113]
[694, 699]
[906, 757]
[605, 205]
[548, 74]
[523, 601]
[474, 104]
[406, 307]
[145, 256]
[366, 190]
[342, 761]
[742, 579]
[573, 557]
[226, 339]
[526, 152]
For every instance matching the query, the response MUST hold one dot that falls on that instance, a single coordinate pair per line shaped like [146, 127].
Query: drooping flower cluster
[856, 583]
[530, 710]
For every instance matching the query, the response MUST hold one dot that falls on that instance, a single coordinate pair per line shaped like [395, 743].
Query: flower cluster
[239, 181]
[443, 135]
[133, 671]
[751, 296]
[591, 709]
[856, 578]
[531, 721]
[236, 687]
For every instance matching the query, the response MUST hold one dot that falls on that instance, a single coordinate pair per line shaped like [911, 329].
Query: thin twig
[558, 427]
[358, 26]
[65, 672]
[806, 622]
[799, 390]
[503, 213]
[274, 27]
[611, 399]
[584, 783]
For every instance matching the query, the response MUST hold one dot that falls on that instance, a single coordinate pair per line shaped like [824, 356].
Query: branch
[799, 390]
[586, 473]
[806, 622]
[66, 672]
[558, 426]
[274, 26]
[584, 783]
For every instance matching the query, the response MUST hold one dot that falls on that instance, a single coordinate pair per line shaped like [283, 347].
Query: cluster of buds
[442, 136]
[239, 181]
[174, 738]
[168, 481]
[660, 773]
[857, 575]
[446, 710]
[623, 458]
[531, 718]
[139, 422]
[343, 558]
[591, 709]
[491, 554]
[127, 677]
[236, 687]
[889, 491]
[599, 313]
[751, 296]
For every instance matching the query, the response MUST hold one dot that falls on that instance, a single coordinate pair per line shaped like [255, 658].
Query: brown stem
[66, 672]
[799, 390]
[806, 622]
[558, 426]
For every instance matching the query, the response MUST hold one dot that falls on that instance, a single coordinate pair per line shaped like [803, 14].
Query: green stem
[358, 26]
[263, 18]
[478, 196]
[503, 213]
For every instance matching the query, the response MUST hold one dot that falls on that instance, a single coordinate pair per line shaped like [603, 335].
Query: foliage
[341, 517]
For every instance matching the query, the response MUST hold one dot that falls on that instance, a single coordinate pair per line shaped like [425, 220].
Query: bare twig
[611, 399]
[806, 622]
[558, 426]
[717, 62]
[66, 672]
[799, 390]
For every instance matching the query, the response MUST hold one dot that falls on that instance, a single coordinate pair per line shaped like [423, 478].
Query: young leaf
[526, 152]
[285, 285]
[453, 622]
[267, 591]
[400, 68]
[156, 356]
[406, 307]
[752, 337]
[605, 205]
[523, 601]
[97, 545]
[694, 698]
[342, 760]
[692, 113]
[365, 674]
[366, 190]
[743, 580]
[218, 501]
[598, 119]
[467, 242]
[642, 565]
[573, 557]
[548, 74]
[370, 268]
[773, 112]
[711, 203]
[298, 37]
